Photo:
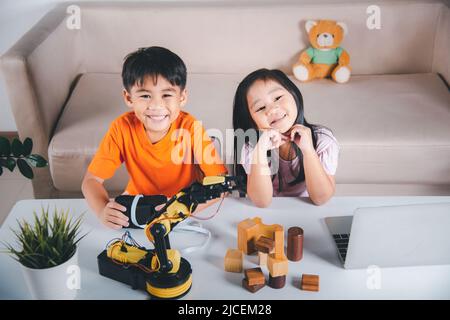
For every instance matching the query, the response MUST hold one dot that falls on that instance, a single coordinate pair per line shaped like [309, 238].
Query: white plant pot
[52, 283]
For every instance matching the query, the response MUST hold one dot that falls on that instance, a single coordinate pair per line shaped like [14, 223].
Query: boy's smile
[156, 103]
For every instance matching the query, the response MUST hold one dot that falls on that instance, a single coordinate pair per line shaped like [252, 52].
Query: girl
[290, 157]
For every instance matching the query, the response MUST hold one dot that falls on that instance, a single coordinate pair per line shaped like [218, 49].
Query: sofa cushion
[391, 128]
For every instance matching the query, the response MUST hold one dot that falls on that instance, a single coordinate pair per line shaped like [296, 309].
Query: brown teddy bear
[325, 58]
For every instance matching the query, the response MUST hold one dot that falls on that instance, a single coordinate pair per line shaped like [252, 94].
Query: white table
[210, 281]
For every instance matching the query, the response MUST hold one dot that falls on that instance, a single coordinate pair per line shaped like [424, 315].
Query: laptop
[393, 236]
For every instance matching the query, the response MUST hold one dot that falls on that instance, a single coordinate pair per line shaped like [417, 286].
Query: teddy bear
[325, 57]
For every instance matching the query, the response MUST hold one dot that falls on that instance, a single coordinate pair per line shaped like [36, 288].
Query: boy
[154, 81]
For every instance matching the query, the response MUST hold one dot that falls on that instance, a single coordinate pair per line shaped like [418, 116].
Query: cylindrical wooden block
[277, 282]
[295, 244]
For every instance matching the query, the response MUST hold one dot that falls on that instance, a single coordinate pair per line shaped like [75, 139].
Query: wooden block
[279, 241]
[251, 229]
[247, 230]
[310, 279]
[295, 244]
[277, 282]
[255, 276]
[233, 260]
[275, 232]
[262, 258]
[264, 244]
[308, 287]
[251, 248]
[310, 282]
[277, 267]
[252, 289]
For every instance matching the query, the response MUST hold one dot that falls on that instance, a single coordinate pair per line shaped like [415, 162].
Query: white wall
[16, 18]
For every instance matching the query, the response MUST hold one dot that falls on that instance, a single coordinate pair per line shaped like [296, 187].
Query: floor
[13, 187]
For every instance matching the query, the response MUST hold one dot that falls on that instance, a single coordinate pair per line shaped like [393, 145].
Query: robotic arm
[178, 208]
[166, 273]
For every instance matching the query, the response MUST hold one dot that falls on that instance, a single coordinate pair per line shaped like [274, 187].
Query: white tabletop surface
[210, 281]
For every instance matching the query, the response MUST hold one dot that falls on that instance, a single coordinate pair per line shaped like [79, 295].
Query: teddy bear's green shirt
[325, 57]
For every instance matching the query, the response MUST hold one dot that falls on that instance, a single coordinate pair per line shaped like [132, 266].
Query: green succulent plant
[49, 242]
[18, 153]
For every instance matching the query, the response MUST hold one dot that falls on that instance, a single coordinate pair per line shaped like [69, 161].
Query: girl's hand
[301, 136]
[271, 139]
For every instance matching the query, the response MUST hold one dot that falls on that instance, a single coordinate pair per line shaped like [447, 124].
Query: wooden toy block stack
[266, 239]
[250, 231]
[268, 242]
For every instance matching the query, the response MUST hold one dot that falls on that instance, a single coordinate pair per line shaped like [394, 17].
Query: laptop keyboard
[342, 244]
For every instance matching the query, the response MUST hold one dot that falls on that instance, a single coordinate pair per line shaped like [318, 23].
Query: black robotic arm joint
[145, 207]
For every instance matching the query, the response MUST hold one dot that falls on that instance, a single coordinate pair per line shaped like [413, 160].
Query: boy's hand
[301, 136]
[112, 216]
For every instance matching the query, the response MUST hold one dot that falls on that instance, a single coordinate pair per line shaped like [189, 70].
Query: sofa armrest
[441, 57]
[39, 71]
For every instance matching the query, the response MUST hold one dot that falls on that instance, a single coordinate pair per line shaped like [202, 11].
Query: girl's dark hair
[243, 120]
[153, 61]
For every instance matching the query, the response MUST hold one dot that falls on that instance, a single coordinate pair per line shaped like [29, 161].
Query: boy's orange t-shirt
[164, 167]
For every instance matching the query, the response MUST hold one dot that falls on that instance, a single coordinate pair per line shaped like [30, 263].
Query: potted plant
[47, 249]
[18, 153]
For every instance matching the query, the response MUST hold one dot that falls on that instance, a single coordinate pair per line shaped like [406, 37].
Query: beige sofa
[392, 119]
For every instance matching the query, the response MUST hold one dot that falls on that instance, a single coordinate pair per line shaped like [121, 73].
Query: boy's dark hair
[154, 62]
[243, 120]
